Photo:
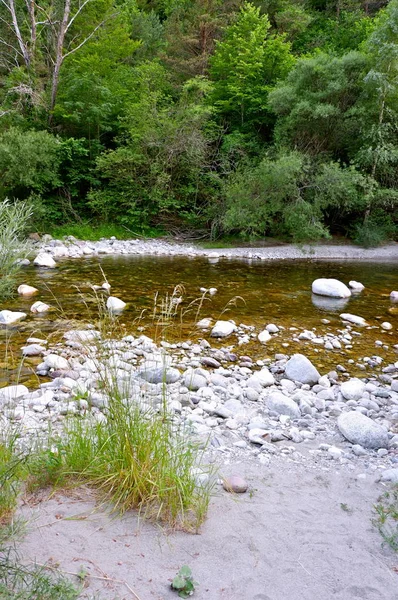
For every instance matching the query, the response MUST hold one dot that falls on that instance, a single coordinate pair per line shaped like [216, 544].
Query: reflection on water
[278, 292]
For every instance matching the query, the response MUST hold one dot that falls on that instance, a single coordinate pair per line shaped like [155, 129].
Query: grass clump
[12, 463]
[135, 458]
[13, 221]
[91, 232]
[386, 519]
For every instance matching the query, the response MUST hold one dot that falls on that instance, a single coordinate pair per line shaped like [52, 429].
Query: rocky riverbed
[278, 407]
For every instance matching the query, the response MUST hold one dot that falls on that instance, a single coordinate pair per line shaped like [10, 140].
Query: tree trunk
[59, 57]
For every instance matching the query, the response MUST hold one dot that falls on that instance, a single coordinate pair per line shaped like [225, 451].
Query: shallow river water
[264, 292]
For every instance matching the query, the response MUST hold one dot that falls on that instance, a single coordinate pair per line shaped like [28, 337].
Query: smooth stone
[7, 317]
[264, 336]
[207, 361]
[159, 374]
[223, 329]
[386, 326]
[389, 475]
[53, 361]
[359, 429]
[39, 307]
[353, 389]
[114, 304]
[353, 319]
[33, 350]
[204, 323]
[330, 287]
[394, 296]
[271, 328]
[299, 368]
[44, 260]
[27, 290]
[235, 484]
[13, 392]
[263, 377]
[283, 405]
[356, 286]
[194, 381]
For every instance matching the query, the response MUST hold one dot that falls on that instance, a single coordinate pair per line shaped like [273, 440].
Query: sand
[288, 538]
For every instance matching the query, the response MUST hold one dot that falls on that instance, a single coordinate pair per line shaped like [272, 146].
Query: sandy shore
[301, 533]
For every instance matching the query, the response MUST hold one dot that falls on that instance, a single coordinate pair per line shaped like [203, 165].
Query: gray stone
[235, 484]
[354, 319]
[159, 374]
[33, 350]
[282, 405]
[299, 368]
[359, 429]
[194, 380]
[53, 361]
[7, 317]
[263, 377]
[389, 475]
[44, 260]
[114, 304]
[13, 392]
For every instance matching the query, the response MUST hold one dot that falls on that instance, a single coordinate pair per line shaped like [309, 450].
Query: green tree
[246, 64]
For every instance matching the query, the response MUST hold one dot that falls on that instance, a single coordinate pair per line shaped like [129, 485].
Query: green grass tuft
[386, 519]
[88, 231]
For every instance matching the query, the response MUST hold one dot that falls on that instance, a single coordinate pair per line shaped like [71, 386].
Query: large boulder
[299, 368]
[45, 260]
[283, 405]
[359, 429]
[222, 329]
[353, 389]
[7, 317]
[330, 287]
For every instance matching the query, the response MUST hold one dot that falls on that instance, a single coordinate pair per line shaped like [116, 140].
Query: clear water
[264, 292]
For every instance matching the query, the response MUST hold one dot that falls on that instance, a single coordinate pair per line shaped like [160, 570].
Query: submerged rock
[7, 317]
[330, 287]
[359, 429]
[114, 304]
[27, 290]
[39, 307]
[353, 319]
[356, 286]
[299, 368]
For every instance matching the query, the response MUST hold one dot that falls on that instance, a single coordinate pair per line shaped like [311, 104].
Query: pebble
[235, 484]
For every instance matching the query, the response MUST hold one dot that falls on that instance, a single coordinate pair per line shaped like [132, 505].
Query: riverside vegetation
[271, 118]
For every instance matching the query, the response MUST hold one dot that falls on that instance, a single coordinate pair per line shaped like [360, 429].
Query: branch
[10, 46]
[76, 14]
[88, 37]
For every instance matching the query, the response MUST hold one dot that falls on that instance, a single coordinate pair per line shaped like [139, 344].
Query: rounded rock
[235, 484]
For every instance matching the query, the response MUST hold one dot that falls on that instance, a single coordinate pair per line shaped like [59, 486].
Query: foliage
[247, 61]
[13, 222]
[183, 582]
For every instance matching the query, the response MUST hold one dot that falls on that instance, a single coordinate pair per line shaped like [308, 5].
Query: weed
[11, 469]
[386, 519]
[345, 508]
[183, 582]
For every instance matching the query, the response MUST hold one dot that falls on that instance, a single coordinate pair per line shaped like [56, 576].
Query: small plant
[386, 520]
[345, 508]
[183, 583]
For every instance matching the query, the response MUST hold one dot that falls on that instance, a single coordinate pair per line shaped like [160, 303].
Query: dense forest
[264, 118]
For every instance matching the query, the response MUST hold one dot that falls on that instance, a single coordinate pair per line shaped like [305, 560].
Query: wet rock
[235, 484]
[33, 350]
[114, 304]
[7, 317]
[330, 287]
[353, 389]
[283, 405]
[27, 290]
[223, 329]
[45, 260]
[39, 307]
[299, 368]
[356, 286]
[264, 336]
[386, 326]
[360, 321]
[359, 429]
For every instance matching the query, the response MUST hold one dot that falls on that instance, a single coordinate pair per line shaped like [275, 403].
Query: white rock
[389, 475]
[271, 328]
[12, 392]
[53, 361]
[39, 307]
[353, 389]
[263, 377]
[44, 260]
[360, 321]
[394, 296]
[204, 323]
[114, 304]
[212, 291]
[33, 350]
[386, 326]
[330, 287]
[27, 290]
[264, 336]
[106, 286]
[356, 286]
[222, 329]
[7, 317]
